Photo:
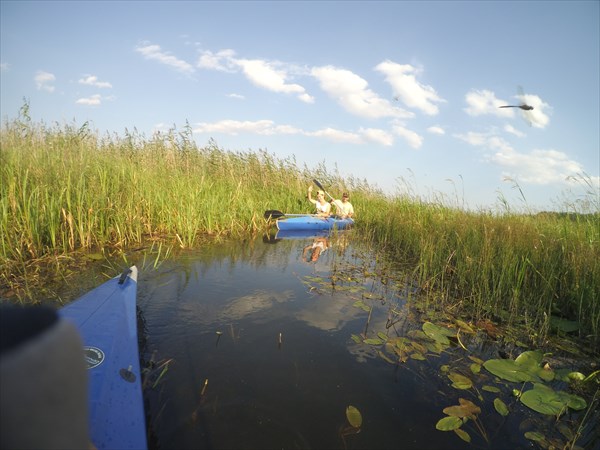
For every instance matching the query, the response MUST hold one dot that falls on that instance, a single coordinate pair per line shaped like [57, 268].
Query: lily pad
[500, 407]
[535, 436]
[354, 416]
[465, 408]
[356, 338]
[545, 400]
[463, 434]
[526, 367]
[460, 381]
[437, 333]
[362, 305]
[449, 423]
[373, 341]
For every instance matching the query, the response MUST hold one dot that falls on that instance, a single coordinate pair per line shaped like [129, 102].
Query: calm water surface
[274, 341]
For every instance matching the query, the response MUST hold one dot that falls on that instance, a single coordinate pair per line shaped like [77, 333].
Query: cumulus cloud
[270, 75]
[539, 166]
[43, 81]
[223, 60]
[402, 78]
[512, 130]
[482, 102]
[537, 117]
[267, 76]
[353, 94]
[476, 139]
[269, 128]
[93, 100]
[92, 80]
[234, 127]
[412, 138]
[377, 136]
[436, 130]
[155, 53]
[338, 136]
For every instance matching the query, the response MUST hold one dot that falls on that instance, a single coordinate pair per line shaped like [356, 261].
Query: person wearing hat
[323, 207]
[343, 207]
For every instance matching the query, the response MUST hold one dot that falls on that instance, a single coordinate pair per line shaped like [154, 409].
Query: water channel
[264, 353]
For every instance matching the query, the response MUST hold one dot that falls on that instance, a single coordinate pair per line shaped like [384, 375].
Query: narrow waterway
[263, 352]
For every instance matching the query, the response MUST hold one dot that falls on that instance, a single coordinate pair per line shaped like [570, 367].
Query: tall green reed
[65, 188]
[517, 268]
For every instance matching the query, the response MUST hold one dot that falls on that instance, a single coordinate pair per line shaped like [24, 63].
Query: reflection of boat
[311, 222]
[301, 234]
[107, 321]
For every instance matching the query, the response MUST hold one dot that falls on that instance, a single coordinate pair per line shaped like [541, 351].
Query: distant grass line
[64, 188]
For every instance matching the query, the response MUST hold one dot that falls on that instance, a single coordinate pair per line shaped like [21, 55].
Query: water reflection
[285, 368]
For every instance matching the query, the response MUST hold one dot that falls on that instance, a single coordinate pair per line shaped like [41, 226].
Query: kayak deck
[106, 319]
[311, 222]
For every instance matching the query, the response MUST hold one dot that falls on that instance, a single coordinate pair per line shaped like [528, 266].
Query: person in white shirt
[344, 208]
[323, 207]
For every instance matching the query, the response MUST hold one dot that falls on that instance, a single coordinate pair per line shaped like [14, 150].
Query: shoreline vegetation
[64, 189]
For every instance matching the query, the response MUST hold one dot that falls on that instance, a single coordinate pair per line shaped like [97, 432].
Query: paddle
[275, 214]
[320, 186]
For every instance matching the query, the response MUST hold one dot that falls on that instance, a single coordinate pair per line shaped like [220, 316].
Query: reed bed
[540, 270]
[64, 188]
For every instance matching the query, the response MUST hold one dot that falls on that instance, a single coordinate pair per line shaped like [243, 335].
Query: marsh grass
[64, 188]
[519, 269]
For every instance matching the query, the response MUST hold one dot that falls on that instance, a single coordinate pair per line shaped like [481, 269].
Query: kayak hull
[107, 321]
[310, 222]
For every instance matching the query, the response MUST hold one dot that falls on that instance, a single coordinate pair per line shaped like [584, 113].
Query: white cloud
[92, 80]
[476, 139]
[339, 136]
[154, 52]
[540, 167]
[234, 127]
[512, 130]
[222, 61]
[43, 81]
[269, 128]
[353, 94]
[265, 75]
[93, 100]
[270, 75]
[378, 136]
[536, 117]
[4, 67]
[236, 96]
[402, 78]
[436, 130]
[413, 139]
[485, 102]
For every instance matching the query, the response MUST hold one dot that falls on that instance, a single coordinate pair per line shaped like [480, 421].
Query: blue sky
[403, 94]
